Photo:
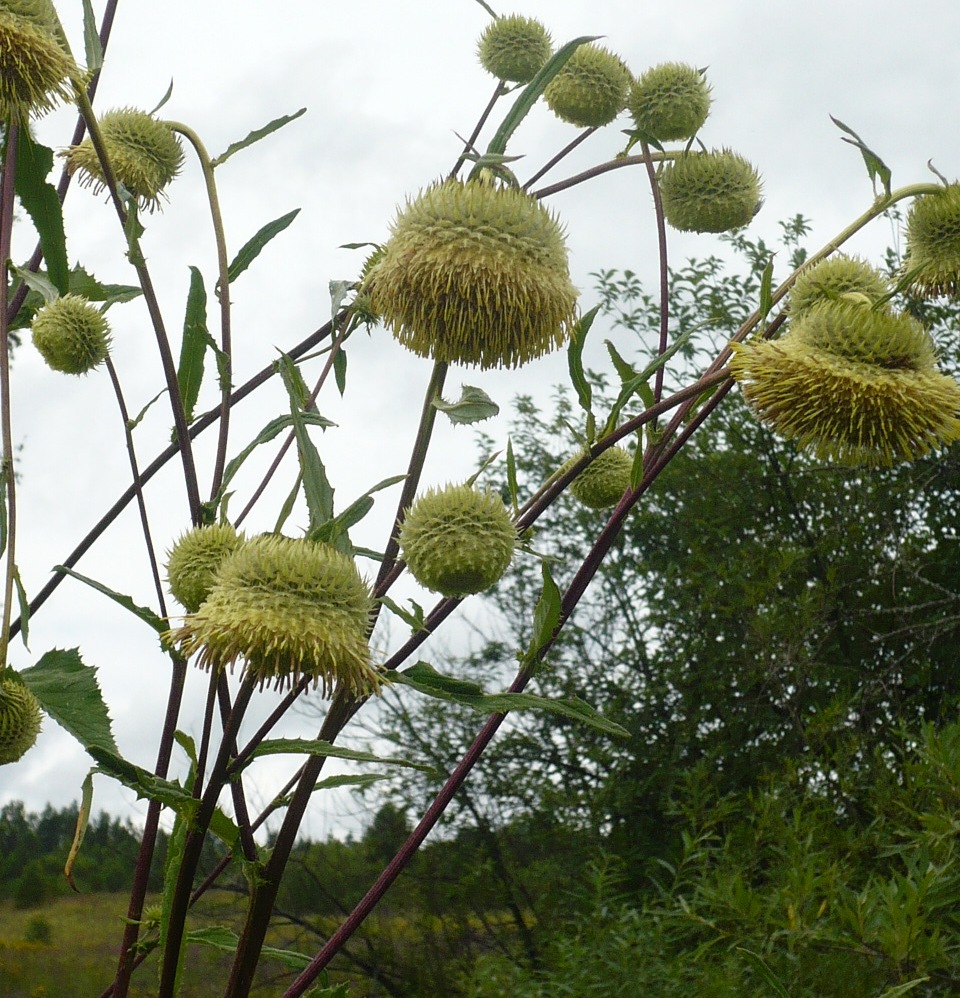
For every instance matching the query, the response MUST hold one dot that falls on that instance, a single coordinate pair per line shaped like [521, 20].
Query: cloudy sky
[387, 86]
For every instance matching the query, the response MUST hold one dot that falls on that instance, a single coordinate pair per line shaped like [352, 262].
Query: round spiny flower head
[933, 243]
[458, 540]
[514, 48]
[35, 70]
[194, 560]
[669, 102]
[844, 407]
[71, 334]
[474, 273]
[290, 609]
[714, 191]
[591, 89]
[604, 480]
[145, 154]
[833, 278]
[19, 720]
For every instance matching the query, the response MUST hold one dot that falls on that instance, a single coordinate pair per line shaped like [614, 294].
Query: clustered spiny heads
[71, 334]
[669, 102]
[715, 191]
[591, 89]
[475, 273]
[852, 383]
[19, 720]
[458, 540]
[195, 559]
[604, 480]
[834, 277]
[290, 609]
[514, 48]
[35, 70]
[933, 243]
[145, 155]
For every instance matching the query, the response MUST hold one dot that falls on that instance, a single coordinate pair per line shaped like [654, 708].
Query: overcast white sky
[386, 85]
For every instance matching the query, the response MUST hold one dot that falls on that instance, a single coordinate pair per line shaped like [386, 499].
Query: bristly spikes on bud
[145, 154]
[933, 243]
[514, 48]
[195, 559]
[715, 191]
[458, 540]
[19, 720]
[475, 273]
[604, 480]
[670, 102]
[71, 334]
[834, 277]
[591, 89]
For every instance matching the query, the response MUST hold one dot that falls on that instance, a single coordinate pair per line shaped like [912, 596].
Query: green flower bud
[833, 278]
[604, 480]
[715, 191]
[933, 243]
[458, 540]
[19, 720]
[669, 102]
[71, 334]
[514, 48]
[290, 609]
[145, 154]
[591, 89]
[194, 560]
[474, 273]
[852, 384]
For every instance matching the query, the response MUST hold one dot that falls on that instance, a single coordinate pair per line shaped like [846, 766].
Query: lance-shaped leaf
[546, 615]
[85, 284]
[83, 819]
[473, 406]
[308, 746]
[147, 615]
[92, 48]
[875, 165]
[222, 938]
[40, 201]
[194, 344]
[575, 359]
[251, 249]
[256, 135]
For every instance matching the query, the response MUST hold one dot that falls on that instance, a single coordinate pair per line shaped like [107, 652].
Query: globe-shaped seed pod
[514, 48]
[290, 609]
[458, 540]
[194, 560]
[35, 70]
[716, 191]
[604, 480]
[854, 330]
[591, 89]
[145, 154]
[846, 409]
[71, 334]
[19, 720]
[933, 243]
[669, 102]
[474, 273]
[834, 277]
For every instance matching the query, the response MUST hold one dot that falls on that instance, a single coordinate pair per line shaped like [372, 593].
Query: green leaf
[69, 692]
[222, 938]
[425, 679]
[147, 615]
[306, 746]
[40, 202]
[512, 477]
[171, 873]
[24, 604]
[636, 469]
[36, 282]
[144, 783]
[93, 50]
[766, 291]
[624, 370]
[194, 345]
[473, 406]
[256, 135]
[341, 780]
[575, 359]
[83, 819]
[340, 369]
[415, 620]
[163, 99]
[132, 424]
[765, 972]
[338, 291]
[333, 530]
[902, 989]
[251, 250]
[875, 165]
[82, 283]
[546, 616]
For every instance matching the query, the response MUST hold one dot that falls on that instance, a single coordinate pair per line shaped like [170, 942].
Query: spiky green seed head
[715, 191]
[458, 540]
[71, 334]
[591, 89]
[604, 480]
[195, 559]
[19, 720]
[290, 609]
[849, 409]
[474, 273]
[514, 48]
[834, 278]
[669, 102]
[933, 243]
[35, 70]
[145, 154]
